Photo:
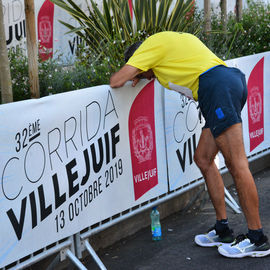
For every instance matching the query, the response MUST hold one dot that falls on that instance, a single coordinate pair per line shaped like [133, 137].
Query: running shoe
[245, 247]
[213, 238]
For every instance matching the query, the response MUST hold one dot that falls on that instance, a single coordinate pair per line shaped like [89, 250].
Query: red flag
[45, 30]
[143, 141]
[255, 105]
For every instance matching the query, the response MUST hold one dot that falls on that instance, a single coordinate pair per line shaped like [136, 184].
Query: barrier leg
[75, 260]
[78, 246]
[54, 263]
[94, 255]
[231, 202]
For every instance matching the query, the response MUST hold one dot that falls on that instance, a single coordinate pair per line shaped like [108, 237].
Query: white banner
[50, 32]
[71, 160]
[183, 129]
[256, 112]
[257, 103]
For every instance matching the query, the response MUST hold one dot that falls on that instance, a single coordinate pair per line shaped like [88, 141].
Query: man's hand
[135, 81]
[126, 73]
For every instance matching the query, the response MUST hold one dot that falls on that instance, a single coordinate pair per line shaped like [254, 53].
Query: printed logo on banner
[45, 30]
[143, 141]
[255, 105]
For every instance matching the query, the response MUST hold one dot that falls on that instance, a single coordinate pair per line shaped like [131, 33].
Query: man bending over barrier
[181, 62]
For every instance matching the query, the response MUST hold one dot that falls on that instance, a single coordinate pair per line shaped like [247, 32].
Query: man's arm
[126, 73]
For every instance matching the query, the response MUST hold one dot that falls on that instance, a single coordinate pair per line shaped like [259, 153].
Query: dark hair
[131, 49]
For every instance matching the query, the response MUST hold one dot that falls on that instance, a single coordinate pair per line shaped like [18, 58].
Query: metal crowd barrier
[73, 246]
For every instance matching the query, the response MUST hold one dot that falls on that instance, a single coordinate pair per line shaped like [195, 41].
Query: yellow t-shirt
[177, 60]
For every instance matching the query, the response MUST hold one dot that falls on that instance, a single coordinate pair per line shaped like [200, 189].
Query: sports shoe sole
[246, 254]
[211, 244]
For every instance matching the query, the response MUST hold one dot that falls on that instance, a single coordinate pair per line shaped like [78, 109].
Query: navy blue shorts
[222, 94]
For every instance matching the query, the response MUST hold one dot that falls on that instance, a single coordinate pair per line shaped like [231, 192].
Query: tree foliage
[108, 32]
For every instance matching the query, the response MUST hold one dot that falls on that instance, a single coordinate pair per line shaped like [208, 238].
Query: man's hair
[131, 49]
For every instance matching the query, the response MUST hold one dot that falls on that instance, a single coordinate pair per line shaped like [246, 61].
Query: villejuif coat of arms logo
[142, 139]
[255, 104]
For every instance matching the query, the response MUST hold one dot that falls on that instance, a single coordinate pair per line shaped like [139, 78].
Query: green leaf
[108, 31]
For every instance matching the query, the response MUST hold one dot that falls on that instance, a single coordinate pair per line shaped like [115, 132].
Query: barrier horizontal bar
[39, 257]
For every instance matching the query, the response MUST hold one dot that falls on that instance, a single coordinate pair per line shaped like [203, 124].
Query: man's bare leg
[230, 143]
[204, 158]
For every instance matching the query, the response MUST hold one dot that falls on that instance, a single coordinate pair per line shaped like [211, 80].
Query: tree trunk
[223, 5]
[207, 16]
[239, 7]
[32, 48]
[5, 78]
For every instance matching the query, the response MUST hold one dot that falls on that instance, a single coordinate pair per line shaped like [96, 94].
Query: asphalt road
[177, 249]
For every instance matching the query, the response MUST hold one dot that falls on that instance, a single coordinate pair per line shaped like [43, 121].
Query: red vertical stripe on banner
[255, 105]
[143, 141]
[130, 8]
[45, 30]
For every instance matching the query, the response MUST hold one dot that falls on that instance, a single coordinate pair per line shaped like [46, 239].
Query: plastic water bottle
[155, 224]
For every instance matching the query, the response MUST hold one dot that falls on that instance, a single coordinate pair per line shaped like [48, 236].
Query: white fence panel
[71, 160]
